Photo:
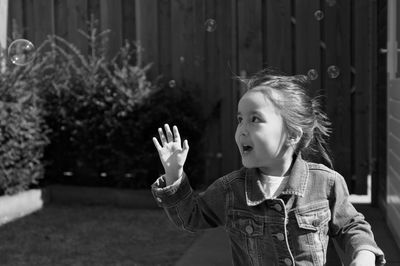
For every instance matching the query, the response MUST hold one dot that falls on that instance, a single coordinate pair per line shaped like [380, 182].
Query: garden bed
[92, 235]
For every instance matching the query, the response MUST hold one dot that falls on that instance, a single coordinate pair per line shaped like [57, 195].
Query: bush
[23, 134]
[103, 114]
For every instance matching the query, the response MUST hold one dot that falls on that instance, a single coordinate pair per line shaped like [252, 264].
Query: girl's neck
[281, 167]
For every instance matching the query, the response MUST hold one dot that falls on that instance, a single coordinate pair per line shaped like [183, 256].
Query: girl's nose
[243, 131]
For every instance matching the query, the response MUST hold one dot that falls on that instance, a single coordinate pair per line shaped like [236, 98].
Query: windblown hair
[298, 109]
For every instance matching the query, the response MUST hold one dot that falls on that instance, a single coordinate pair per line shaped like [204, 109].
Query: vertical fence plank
[362, 57]
[177, 39]
[29, 19]
[110, 18]
[182, 40]
[249, 36]
[71, 16]
[199, 33]
[15, 19]
[93, 9]
[147, 33]
[165, 39]
[128, 20]
[43, 20]
[381, 141]
[212, 96]
[277, 35]
[336, 40]
[227, 57]
[307, 40]
[77, 18]
[60, 18]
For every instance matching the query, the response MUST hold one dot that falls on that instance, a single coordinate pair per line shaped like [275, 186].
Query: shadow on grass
[92, 235]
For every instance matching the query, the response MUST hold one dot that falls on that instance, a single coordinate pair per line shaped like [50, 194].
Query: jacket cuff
[170, 196]
[379, 255]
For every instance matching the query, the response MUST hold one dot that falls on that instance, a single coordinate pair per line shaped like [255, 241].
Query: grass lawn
[92, 235]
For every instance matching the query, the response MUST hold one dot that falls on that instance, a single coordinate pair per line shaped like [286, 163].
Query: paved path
[212, 247]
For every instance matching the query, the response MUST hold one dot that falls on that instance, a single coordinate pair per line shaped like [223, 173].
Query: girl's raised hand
[172, 153]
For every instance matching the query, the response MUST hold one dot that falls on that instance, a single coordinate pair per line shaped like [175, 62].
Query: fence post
[3, 33]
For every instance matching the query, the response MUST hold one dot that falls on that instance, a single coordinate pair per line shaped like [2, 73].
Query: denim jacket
[292, 229]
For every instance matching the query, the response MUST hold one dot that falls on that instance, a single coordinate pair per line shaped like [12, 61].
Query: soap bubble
[172, 83]
[312, 74]
[210, 25]
[333, 71]
[21, 52]
[319, 15]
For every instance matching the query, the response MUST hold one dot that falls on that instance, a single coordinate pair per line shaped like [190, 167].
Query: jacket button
[159, 199]
[288, 261]
[278, 207]
[280, 236]
[249, 229]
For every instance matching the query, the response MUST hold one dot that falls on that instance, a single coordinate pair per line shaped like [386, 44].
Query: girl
[280, 208]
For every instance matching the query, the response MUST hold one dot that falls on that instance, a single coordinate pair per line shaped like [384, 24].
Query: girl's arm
[172, 191]
[349, 228]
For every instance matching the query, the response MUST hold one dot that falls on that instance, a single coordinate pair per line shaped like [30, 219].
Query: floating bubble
[319, 15]
[103, 174]
[312, 74]
[21, 52]
[172, 83]
[68, 173]
[210, 25]
[182, 59]
[333, 71]
[128, 175]
[331, 2]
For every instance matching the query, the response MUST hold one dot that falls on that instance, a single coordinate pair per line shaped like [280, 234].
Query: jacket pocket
[313, 216]
[310, 233]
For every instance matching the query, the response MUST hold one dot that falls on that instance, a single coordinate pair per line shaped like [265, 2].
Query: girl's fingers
[177, 137]
[162, 137]
[158, 146]
[170, 137]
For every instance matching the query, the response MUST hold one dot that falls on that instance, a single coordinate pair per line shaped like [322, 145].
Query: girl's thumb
[185, 145]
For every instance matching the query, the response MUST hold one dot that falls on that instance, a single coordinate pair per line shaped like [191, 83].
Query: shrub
[103, 113]
[23, 134]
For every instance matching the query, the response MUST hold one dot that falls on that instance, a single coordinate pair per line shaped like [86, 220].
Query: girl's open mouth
[247, 149]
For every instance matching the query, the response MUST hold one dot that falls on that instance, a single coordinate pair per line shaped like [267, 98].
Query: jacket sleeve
[189, 210]
[348, 227]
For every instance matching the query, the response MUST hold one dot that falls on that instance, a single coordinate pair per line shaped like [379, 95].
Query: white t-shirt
[272, 186]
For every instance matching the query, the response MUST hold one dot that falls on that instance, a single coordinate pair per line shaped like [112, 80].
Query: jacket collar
[296, 184]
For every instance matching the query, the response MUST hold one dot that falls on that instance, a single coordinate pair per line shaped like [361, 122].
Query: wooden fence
[334, 38]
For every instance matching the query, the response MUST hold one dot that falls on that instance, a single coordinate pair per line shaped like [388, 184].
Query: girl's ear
[295, 136]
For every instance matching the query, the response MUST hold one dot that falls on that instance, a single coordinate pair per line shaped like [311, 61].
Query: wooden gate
[204, 43]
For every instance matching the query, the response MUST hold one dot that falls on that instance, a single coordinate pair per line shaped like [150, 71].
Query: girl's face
[260, 134]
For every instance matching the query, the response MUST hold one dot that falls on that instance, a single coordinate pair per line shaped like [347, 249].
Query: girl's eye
[255, 119]
[239, 119]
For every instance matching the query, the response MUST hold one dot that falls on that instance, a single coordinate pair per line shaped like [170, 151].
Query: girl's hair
[298, 109]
